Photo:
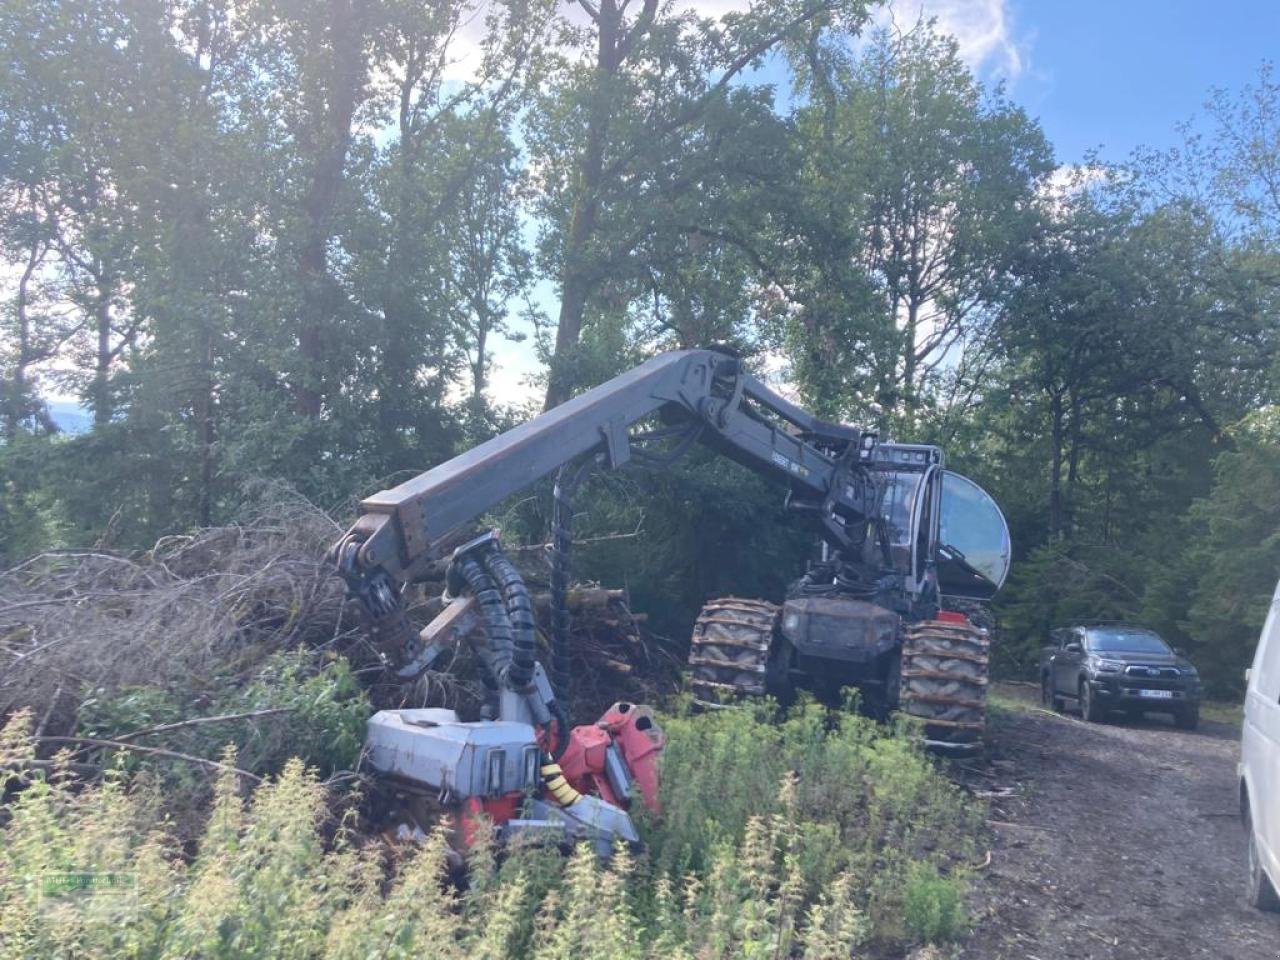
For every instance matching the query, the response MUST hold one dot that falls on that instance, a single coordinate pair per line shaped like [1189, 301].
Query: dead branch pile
[214, 602]
[611, 657]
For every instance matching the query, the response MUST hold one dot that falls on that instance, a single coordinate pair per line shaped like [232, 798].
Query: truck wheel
[1187, 719]
[729, 653]
[944, 683]
[1089, 709]
[1258, 888]
[1048, 698]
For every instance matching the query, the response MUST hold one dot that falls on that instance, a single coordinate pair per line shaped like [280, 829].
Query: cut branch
[196, 721]
[212, 765]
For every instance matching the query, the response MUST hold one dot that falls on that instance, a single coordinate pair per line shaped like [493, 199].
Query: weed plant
[819, 836]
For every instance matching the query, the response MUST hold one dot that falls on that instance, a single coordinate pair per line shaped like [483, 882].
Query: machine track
[944, 682]
[729, 651]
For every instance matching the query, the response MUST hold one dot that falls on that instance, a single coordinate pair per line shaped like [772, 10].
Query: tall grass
[808, 838]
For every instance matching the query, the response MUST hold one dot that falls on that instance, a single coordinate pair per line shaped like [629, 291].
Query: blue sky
[1121, 75]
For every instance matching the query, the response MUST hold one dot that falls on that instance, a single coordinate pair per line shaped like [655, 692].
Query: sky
[1119, 75]
[1099, 76]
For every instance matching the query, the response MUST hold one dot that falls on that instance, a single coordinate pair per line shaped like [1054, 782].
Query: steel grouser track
[944, 682]
[729, 651]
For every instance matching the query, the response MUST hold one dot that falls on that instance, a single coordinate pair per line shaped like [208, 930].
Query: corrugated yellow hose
[559, 788]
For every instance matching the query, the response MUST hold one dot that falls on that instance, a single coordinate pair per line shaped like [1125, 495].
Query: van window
[1266, 670]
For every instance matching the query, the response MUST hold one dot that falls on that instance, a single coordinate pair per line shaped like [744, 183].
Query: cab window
[973, 540]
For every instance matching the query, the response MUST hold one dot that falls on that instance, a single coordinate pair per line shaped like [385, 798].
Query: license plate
[1157, 694]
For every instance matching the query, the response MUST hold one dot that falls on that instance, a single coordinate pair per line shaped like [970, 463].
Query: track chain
[944, 682]
[729, 651]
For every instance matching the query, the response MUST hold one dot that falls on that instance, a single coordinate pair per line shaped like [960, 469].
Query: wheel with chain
[729, 650]
[944, 682]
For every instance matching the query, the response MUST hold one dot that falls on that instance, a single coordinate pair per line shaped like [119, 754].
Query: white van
[1260, 765]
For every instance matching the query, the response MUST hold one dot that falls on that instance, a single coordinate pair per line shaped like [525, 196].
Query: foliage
[1234, 553]
[320, 718]
[917, 189]
[934, 908]
[864, 801]
[274, 877]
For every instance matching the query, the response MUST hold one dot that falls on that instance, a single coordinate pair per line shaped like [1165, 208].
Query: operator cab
[940, 524]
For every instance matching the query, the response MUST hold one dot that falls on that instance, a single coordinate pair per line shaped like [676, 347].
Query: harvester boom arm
[399, 530]
[701, 395]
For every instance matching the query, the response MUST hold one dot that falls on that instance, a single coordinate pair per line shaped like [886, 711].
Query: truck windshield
[1126, 639]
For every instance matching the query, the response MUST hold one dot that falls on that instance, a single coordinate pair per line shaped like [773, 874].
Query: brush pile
[611, 658]
[220, 601]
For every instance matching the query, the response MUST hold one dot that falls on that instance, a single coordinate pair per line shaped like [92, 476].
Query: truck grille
[1152, 673]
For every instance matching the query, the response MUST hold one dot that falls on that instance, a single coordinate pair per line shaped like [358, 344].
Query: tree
[617, 141]
[64, 88]
[1234, 554]
[935, 183]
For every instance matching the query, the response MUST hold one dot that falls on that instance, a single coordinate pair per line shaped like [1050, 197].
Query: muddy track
[1118, 840]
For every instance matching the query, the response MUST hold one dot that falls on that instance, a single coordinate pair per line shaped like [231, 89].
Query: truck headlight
[1108, 666]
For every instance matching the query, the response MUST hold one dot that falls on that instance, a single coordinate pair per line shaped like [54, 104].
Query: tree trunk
[478, 368]
[909, 363]
[345, 35]
[100, 391]
[1073, 464]
[1055, 466]
[578, 275]
[15, 409]
[204, 411]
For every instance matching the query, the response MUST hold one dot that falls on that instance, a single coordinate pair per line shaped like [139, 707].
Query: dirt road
[1113, 841]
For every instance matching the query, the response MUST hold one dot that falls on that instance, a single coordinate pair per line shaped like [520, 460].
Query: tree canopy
[286, 239]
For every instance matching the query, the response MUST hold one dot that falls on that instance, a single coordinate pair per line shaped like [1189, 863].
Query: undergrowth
[310, 708]
[812, 837]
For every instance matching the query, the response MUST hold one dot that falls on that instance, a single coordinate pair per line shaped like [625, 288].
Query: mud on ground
[1113, 841]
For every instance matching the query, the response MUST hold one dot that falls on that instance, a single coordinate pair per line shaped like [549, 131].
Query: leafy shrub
[934, 908]
[867, 800]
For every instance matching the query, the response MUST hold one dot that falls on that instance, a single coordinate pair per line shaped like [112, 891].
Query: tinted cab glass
[973, 539]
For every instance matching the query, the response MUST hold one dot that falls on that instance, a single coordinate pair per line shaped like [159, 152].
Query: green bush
[934, 908]
[867, 800]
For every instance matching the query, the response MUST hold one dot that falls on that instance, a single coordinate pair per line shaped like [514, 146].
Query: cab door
[973, 547]
[1066, 663]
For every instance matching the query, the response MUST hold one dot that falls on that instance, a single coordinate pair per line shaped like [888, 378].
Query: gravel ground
[1116, 840]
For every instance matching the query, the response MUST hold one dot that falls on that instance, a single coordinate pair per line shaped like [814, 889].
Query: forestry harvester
[910, 554]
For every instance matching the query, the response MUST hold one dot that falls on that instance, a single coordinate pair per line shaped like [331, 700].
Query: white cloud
[1068, 179]
[983, 29]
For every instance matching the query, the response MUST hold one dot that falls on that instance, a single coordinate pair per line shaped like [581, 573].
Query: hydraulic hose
[497, 653]
[555, 784]
[519, 607]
